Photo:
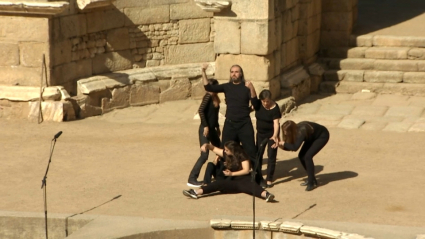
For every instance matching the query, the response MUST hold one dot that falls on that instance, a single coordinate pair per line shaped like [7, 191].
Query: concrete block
[344, 75]
[337, 5]
[227, 36]
[73, 25]
[180, 54]
[414, 77]
[383, 76]
[19, 75]
[179, 90]
[117, 39]
[188, 11]
[9, 54]
[262, 43]
[144, 94]
[396, 65]
[416, 54]
[387, 52]
[23, 28]
[256, 68]
[334, 38]
[363, 40]
[337, 21]
[194, 31]
[112, 61]
[399, 41]
[151, 15]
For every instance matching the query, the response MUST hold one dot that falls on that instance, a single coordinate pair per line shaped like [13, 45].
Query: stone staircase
[376, 63]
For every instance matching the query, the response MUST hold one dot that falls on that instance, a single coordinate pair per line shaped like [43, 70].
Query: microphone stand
[44, 183]
[260, 152]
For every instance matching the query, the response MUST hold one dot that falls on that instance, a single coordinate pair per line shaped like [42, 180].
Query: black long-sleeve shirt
[237, 99]
[307, 131]
[265, 117]
[208, 112]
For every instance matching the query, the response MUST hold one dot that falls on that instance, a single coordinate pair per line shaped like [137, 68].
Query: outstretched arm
[211, 147]
[209, 87]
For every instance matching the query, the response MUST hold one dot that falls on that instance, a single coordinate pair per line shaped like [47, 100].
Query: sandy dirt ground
[145, 154]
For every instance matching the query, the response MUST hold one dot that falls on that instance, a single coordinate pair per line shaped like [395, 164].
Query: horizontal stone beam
[38, 8]
[31, 93]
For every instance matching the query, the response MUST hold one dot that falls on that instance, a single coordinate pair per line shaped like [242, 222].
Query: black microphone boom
[57, 135]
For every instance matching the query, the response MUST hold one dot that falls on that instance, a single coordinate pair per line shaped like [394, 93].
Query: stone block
[51, 111]
[337, 21]
[71, 72]
[275, 88]
[301, 90]
[294, 77]
[144, 94]
[404, 111]
[179, 90]
[262, 43]
[383, 76]
[241, 9]
[28, 93]
[120, 99]
[117, 39]
[287, 26]
[369, 110]
[23, 28]
[32, 53]
[151, 15]
[9, 54]
[330, 109]
[197, 89]
[89, 111]
[194, 31]
[104, 20]
[19, 75]
[414, 77]
[353, 64]
[73, 25]
[416, 54]
[398, 41]
[190, 53]
[61, 52]
[277, 60]
[398, 126]
[306, 10]
[337, 6]
[387, 52]
[188, 11]
[404, 89]
[351, 123]
[295, 13]
[418, 127]
[311, 45]
[145, 3]
[112, 61]
[396, 65]
[363, 40]
[344, 75]
[334, 38]
[348, 87]
[278, 31]
[291, 53]
[256, 68]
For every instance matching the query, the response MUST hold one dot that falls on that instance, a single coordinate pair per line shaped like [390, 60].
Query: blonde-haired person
[314, 136]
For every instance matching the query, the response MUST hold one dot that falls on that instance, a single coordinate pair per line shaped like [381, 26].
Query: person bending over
[209, 130]
[314, 136]
[238, 168]
[268, 114]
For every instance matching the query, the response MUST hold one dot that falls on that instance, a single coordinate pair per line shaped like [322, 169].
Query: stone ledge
[32, 93]
[286, 227]
[89, 4]
[38, 8]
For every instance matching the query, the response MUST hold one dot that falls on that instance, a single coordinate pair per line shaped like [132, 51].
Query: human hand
[227, 172]
[276, 142]
[205, 66]
[248, 84]
[204, 148]
[206, 131]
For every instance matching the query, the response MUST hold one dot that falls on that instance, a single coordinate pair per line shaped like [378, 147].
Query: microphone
[57, 135]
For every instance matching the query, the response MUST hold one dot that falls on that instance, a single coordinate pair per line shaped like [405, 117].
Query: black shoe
[263, 184]
[269, 197]
[194, 183]
[311, 186]
[190, 193]
[305, 183]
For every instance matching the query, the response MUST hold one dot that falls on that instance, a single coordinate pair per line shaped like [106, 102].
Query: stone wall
[128, 34]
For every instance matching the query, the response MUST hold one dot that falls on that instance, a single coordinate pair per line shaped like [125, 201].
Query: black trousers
[242, 132]
[215, 171]
[239, 184]
[307, 152]
[214, 140]
[271, 154]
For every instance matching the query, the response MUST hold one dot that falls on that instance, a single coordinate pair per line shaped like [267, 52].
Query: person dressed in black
[209, 130]
[238, 126]
[314, 136]
[268, 114]
[237, 169]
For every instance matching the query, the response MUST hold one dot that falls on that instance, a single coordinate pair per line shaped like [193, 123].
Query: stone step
[348, 87]
[387, 53]
[374, 76]
[374, 64]
[387, 41]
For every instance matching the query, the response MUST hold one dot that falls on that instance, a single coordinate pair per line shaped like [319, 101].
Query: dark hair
[265, 94]
[234, 161]
[242, 74]
[290, 130]
[216, 100]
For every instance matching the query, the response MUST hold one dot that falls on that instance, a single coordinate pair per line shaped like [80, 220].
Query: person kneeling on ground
[238, 168]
